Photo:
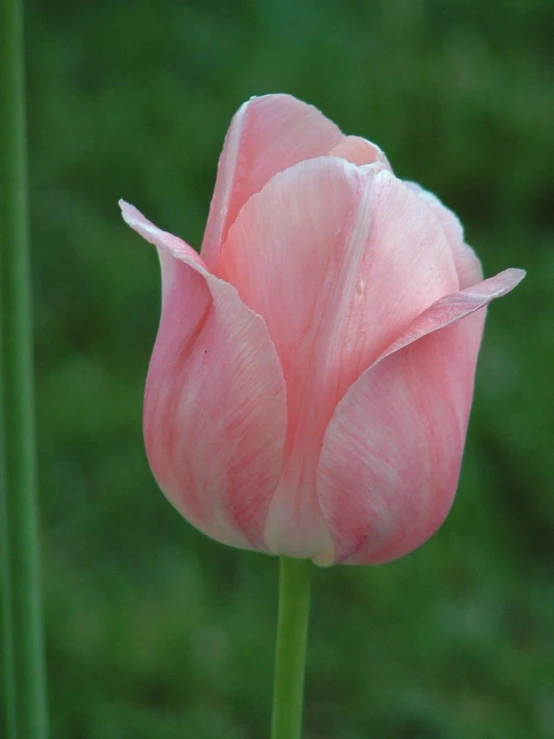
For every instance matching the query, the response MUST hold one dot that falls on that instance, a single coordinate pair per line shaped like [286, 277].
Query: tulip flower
[312, 377]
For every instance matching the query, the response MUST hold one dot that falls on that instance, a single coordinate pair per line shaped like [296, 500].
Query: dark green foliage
[154, 630]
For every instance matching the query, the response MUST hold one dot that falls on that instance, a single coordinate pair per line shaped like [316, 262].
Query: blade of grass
[26, 713]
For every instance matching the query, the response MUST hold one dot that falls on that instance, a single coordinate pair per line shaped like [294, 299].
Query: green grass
[154, 630]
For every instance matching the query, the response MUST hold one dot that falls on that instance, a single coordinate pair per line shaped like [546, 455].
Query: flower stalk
[290, 657]
[22, 641]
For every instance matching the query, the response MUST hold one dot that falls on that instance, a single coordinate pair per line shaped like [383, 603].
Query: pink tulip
[312, 377]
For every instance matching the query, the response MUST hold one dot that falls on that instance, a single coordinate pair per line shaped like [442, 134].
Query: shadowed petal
[467, 263]
[214, 407]
[391, 456]
[358, 150]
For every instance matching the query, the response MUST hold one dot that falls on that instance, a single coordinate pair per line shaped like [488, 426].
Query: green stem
[22, 641]
[290, 658]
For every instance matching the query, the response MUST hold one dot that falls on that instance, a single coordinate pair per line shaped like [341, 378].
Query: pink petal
[339, 261]
[467, 263]
[359, 151]
[214, 407]
[267, 135]
[391, 456]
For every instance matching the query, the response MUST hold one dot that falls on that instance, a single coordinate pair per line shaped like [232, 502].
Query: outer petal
[391, 456]
[467, 263]
[339, 260]
[267, 135]
[215, 407]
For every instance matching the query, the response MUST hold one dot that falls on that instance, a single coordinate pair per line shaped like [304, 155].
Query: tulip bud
[312, 377]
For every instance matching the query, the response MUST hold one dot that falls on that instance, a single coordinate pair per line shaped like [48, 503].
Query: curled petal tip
[499, 285]
[159, 238]
[127, 210]
[514, 276]
[133, 217]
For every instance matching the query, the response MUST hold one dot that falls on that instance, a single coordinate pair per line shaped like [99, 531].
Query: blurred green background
[152, 629]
